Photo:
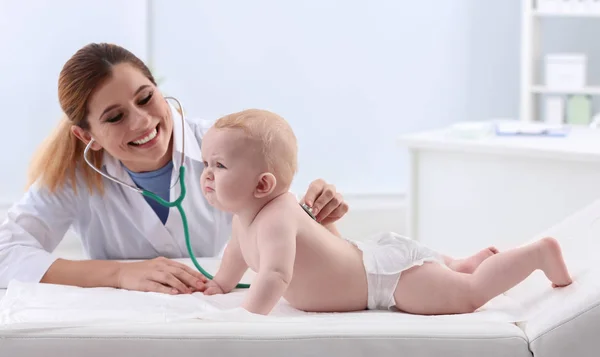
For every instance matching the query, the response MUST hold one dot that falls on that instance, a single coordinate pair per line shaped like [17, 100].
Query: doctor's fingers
[188, 276]
[328, 198]
[333, 210]
[169, 279]
[315, 189]
[153, 286]
[161, 263]
[193, 272]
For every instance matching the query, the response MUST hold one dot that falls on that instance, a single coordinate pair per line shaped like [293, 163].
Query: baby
[250, 161]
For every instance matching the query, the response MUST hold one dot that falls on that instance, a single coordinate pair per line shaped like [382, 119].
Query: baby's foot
[468, 265]
[553, 263]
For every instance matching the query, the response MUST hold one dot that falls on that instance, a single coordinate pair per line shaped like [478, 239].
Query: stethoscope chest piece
[308, 210]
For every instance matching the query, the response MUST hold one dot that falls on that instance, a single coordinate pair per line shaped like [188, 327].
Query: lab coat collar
[192, 151]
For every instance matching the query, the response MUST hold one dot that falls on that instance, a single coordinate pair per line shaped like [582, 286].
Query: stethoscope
[178, 202]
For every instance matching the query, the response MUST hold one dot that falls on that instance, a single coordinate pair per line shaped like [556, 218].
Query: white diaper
[385, 257]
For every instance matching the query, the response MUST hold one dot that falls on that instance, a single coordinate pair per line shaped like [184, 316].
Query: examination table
[530, 320]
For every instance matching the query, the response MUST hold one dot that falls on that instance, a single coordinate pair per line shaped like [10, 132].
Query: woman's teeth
[149, 137]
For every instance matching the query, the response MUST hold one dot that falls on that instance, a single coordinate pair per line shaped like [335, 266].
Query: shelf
[534, 14]
[585, 90]
[538, 13]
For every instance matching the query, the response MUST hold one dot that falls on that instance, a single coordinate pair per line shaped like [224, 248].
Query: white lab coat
[118, 225]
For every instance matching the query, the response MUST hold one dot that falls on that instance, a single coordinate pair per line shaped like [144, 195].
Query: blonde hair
[56, 161]
[278, 143]
[60, 158]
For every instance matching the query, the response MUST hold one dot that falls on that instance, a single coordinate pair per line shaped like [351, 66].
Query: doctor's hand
[160, 275]
[327, 204]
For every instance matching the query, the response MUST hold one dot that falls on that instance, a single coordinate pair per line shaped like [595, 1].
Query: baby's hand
[212, 288]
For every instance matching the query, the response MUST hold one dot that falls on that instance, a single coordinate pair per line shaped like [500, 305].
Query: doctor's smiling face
[129, 118]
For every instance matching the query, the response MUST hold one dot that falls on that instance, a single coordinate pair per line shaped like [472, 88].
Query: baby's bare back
[328, 275]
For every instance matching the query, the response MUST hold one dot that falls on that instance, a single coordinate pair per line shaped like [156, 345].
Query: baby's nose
[208, 173]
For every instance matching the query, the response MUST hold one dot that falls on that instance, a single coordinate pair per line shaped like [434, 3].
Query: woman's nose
[139, 119]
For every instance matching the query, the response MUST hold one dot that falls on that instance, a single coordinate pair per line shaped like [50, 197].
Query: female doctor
[110, 99]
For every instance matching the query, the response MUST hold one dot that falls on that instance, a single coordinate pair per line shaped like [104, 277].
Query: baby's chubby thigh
[433, 289]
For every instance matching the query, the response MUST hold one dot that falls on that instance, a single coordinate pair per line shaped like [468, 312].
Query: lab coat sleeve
[32, 229]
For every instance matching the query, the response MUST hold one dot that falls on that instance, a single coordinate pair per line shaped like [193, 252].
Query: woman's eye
[146, 99]
[114, 119]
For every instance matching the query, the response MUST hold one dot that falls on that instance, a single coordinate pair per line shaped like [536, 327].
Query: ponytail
[60, 158]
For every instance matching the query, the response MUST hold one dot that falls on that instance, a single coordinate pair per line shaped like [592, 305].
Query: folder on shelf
[530, 129]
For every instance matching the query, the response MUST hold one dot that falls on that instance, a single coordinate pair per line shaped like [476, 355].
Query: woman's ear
[266, 185]
[85, 137]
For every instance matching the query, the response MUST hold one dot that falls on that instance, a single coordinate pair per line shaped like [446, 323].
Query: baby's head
[249, 155]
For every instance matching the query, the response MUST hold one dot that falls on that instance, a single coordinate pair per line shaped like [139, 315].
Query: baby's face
[232, 169]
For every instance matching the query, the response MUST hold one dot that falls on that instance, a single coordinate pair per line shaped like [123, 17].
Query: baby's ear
[266, 185]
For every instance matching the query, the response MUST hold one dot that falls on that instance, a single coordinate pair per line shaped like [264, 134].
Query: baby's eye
[205, 163]
[220, 166]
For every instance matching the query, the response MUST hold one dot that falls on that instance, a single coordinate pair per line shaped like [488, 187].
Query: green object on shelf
[579, 110]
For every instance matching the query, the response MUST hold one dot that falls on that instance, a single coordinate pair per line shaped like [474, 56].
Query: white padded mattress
[353, 335]
[224, 340]
[33, 326]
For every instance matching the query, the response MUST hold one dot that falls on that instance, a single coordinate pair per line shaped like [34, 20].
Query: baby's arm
[233, 265]
[276, 244]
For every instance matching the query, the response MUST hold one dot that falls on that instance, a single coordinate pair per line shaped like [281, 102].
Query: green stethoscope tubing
[177, 203]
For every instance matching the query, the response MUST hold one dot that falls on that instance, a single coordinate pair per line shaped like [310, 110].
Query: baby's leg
[431, 289]
[468, 265]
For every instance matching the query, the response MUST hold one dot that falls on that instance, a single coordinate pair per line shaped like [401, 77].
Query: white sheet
[52, 305]
[27, 304]
[579, 236]
[565, 322]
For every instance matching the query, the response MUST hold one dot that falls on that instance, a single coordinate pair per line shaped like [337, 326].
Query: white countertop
[581, 144]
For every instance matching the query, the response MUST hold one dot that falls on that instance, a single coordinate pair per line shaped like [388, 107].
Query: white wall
[360, 73]
[36, 38]
[349, 75]
[494, 50]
